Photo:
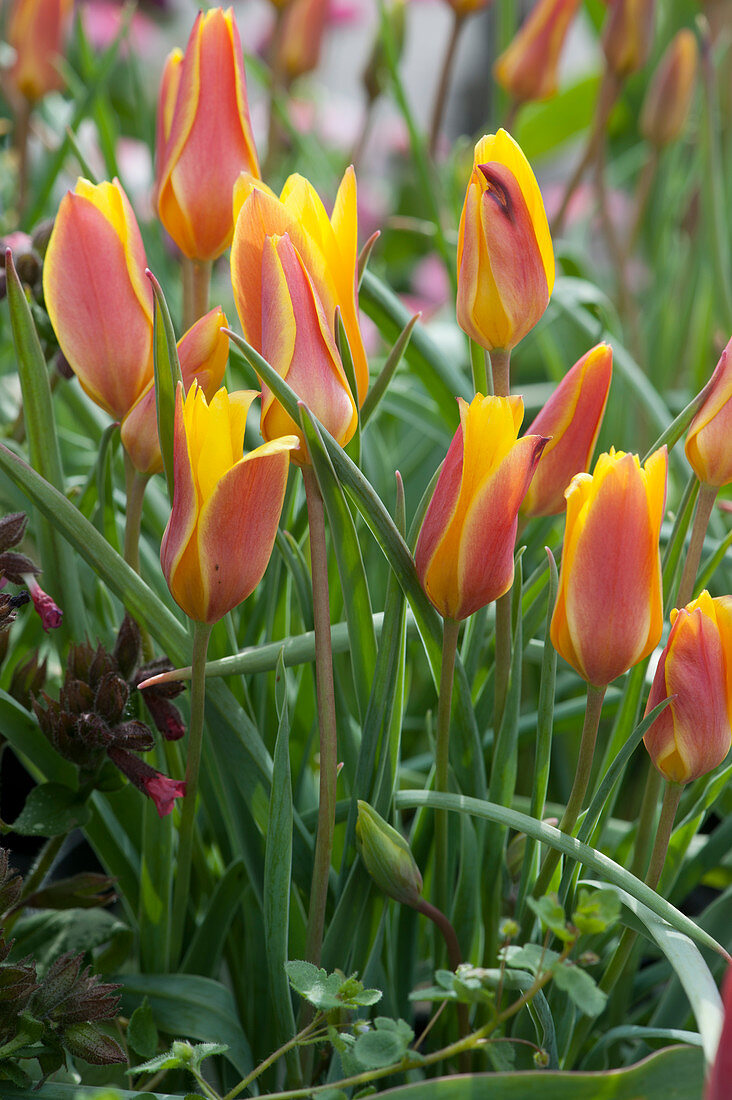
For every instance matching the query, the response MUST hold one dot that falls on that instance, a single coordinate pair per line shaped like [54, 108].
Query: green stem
[714, 181]
[501, 371]
[21, 133]
[455, 958]
[326, 718]
[478, 367]
[201, 635]
[444, 82]
[704, 506]
[593, 711]
[501, 374]
[258, 1070]
[135, 485]
[450, 631]
[196, 283]
[646, 819]
[642, 195]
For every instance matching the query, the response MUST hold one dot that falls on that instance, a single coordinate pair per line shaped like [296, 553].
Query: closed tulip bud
[608, 614]
[204, 137]
[97, 296]
[692, 735]
[226, 505]
[628, 35]
[328, 248]
[708, 442]
[203, 352]
[298, 342]
[571, 420]
[37, 31]
[505, 258]
[670, 92]
[467, 7]
[387, 856]
[528, 68]
[464, 553]
[303, 27]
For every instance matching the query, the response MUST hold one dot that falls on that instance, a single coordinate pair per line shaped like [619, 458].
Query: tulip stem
[593, 712]
[704, 506]
[326, 718]
[201, 635]
[135, 485]
[619, 961]
[443, 85]
[21, 134]
[645, 822]
[500, 369]
[450, 631]
[455, 958]
[196, 283]
[479, 368]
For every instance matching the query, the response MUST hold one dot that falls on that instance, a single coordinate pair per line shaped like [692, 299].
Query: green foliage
[329, 991]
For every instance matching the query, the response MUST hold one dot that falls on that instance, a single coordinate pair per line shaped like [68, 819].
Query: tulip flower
[467, 7]
[204, 137]
[692, 735]
[202, 351]
[299, 344]
[97, 296]
[505, 258]
[226, 505]
[571, 420]
[608, 614]
[37, 31]
[303, 27]
[464, 553]
[708, 442]
[528, 68]
[628, 35]
[328, 248]
[670, 92]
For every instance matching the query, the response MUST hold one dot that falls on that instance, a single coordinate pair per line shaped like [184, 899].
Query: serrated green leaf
[551, 915]
[385, 1045]
[142, 1035]
[580, 987]
[51, 810]
[596, 910]
[532, 957]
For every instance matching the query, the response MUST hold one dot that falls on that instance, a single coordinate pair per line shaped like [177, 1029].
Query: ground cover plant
[365, 624]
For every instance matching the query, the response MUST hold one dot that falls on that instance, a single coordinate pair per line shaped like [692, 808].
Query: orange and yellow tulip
[609, 612]
[571, 420]
[692, 735]
[303, 28]
[464, 553]
[708, 442]
[528, 68]
[298, 343]
[328, 248]
[627, 36]
[97, 296]
[505, 258]
[202, 352]
[204, 137]
[670, 92]
[226, 505]
[37, 31]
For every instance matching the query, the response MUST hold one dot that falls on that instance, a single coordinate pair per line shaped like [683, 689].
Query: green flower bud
[388, 857]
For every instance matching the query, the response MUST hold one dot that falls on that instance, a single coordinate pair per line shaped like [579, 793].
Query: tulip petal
[707, 444]
[184, 513]
[261, 215]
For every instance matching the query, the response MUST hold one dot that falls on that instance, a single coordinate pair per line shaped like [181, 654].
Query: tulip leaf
[570, 847]
[59, 564]
[167, 377]
[353, 447]
[156, 876]
[387, 372]
[354, 586]
[203, 954]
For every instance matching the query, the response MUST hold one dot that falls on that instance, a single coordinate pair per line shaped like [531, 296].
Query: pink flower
[160, 788]
[50, 613]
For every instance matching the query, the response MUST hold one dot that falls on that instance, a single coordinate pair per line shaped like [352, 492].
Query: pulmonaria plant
[18, 569]
[91, 721]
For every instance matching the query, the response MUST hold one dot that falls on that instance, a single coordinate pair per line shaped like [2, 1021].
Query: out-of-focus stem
[450, 632]
[21, 133]
[135, 485]
[501, 374]
[326, 718]
[443, 85]
[704, 506]
[196, 283]
[593, 711]
[642, 194]
[201, 635]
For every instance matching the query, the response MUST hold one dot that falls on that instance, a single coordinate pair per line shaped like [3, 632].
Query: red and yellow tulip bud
[226, 505]
[609, 614]
[327, 246]
[303, 27]
[628, 35]
[204, 137]
[202, 352]
[528, 68]
[298, 343]
[692, 736]
[464, 553]
[467, 7]
[571, 419]
[708, 442]
[505, 258]
[670, 92]
[37, 31]
[97, 296]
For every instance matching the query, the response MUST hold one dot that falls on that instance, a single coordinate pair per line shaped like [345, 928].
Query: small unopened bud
[27, 678]
[387, 856]
[669, 94]
[111, 698]
[628, 35]
[12, 529]
[128, 647]
[541, 1059]
[508, 928]
[588, 958]
[41, 235]
[88, 1042]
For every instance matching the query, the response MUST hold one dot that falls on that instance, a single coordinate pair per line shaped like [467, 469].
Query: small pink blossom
[50, 613]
